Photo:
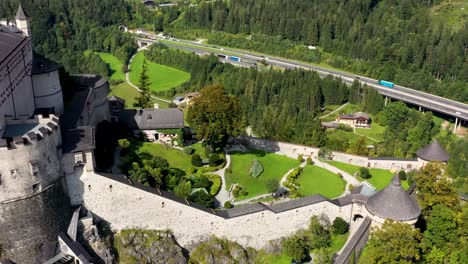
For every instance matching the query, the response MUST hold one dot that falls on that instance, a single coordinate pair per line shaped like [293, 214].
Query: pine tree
[144, 100]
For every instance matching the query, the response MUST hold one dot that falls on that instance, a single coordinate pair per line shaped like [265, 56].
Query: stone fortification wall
[47, 91]
[96, 105]
[124, 205]
[29, 227]
[293, 150]
[31, 162]
[355, 244]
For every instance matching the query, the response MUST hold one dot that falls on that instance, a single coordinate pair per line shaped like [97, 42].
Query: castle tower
[22, 21]
[393, 203]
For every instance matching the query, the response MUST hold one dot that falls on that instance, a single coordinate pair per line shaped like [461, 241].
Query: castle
[47, 166]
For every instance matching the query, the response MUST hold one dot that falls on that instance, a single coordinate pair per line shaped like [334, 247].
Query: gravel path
[334, 111]
[127, 77]
[223, 195]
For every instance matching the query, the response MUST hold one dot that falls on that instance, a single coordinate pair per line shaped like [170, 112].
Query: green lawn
[274, 165]
[376, 131]
[114, 64]
[380, 178]
[338, 242]
[161, 77]
[316, 180]
[176, 158]
[125, 91]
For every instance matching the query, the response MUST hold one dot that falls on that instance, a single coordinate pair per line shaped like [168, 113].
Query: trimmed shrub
[213, 160]
[339, 175]
[188, 150]
[201, 182]
[216, 186]
[300, 158]
[256, 168]
[340, 226]
[309, 161]
[228, 169]
[228, 205]
[402, 175]
[196, 160]
[238, 191]
[123, 143]
[207, 151]
[364, 173]
[351, 187]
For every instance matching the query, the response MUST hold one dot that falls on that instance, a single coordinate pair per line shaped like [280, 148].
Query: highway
[408, 95]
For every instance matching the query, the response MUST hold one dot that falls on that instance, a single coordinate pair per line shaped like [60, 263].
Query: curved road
[425, 100]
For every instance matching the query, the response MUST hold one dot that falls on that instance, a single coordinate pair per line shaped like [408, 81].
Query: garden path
[334, 111]
[223, 195]
[127, 77]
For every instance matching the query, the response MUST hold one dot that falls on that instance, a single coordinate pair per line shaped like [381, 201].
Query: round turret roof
[393, 202]
[433, 152]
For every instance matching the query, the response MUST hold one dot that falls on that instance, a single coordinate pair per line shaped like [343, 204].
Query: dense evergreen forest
[63, 29]
[385, 39]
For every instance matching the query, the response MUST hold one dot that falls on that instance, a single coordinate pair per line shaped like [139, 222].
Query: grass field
[376, 131]
[125, 91]
[316, 180]
[114, 64]
[380, 178]
[450, 13]
[161, 77]
[275, 167]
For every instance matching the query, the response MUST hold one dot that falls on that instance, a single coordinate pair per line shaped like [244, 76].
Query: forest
[386, 39]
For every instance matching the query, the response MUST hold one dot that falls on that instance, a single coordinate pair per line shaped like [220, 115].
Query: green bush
[228, 170]
[309, 161]
[228, 205]
[188, 150]
[294, 175]
[203, 198]
[196, 160]
[256, 168]
[295, 247]
[216, 186]
[300, 158]
[340, 226]
[214, 160]
[207, 151]
[402, 175]
[123, 143]
[351, 187]
[364, 173]
[201, 182]
[238, 191]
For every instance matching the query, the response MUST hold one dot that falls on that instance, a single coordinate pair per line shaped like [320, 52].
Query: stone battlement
[21, 132]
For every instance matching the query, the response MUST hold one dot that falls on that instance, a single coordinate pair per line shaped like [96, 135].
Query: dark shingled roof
[391, 158]
[8, 43]
[79, 139]
[355, 115]
[393, 203]
[152, 118]
[433, 152]
[21, 15]
[43, 65]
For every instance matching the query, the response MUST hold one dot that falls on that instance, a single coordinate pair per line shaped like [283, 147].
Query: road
[425, 100]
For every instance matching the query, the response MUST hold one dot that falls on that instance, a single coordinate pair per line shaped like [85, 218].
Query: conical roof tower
[394, 203]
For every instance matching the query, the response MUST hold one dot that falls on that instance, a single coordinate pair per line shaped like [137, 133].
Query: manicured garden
[176, 158]
[380, 178]
[161, 77]
[316, 180]
[275, 167]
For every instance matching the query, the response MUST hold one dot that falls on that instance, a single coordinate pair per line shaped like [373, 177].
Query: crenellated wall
[30, 162]
[125, 205]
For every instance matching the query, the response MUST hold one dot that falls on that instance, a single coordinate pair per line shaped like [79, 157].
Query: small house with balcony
[359, 120]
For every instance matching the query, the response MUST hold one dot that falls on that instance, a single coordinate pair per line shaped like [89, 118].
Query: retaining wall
[124, 205]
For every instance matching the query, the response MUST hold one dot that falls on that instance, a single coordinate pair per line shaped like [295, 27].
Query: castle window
[34, 168]
[89, 187]
[0, 179]
[36, 187]
[162, 204]
[13, 172]
[110, 187]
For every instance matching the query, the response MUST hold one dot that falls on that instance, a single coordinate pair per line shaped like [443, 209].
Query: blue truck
[234, 58]
[386, 84]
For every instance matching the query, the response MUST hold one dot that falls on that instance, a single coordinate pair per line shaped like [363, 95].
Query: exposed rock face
[97, 239]
[221, 251]
[148, 246]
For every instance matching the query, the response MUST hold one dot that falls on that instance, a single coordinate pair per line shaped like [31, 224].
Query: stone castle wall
[30, 163]
[293, 150]
[47, 91]
[29, 227]
[126, 206]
